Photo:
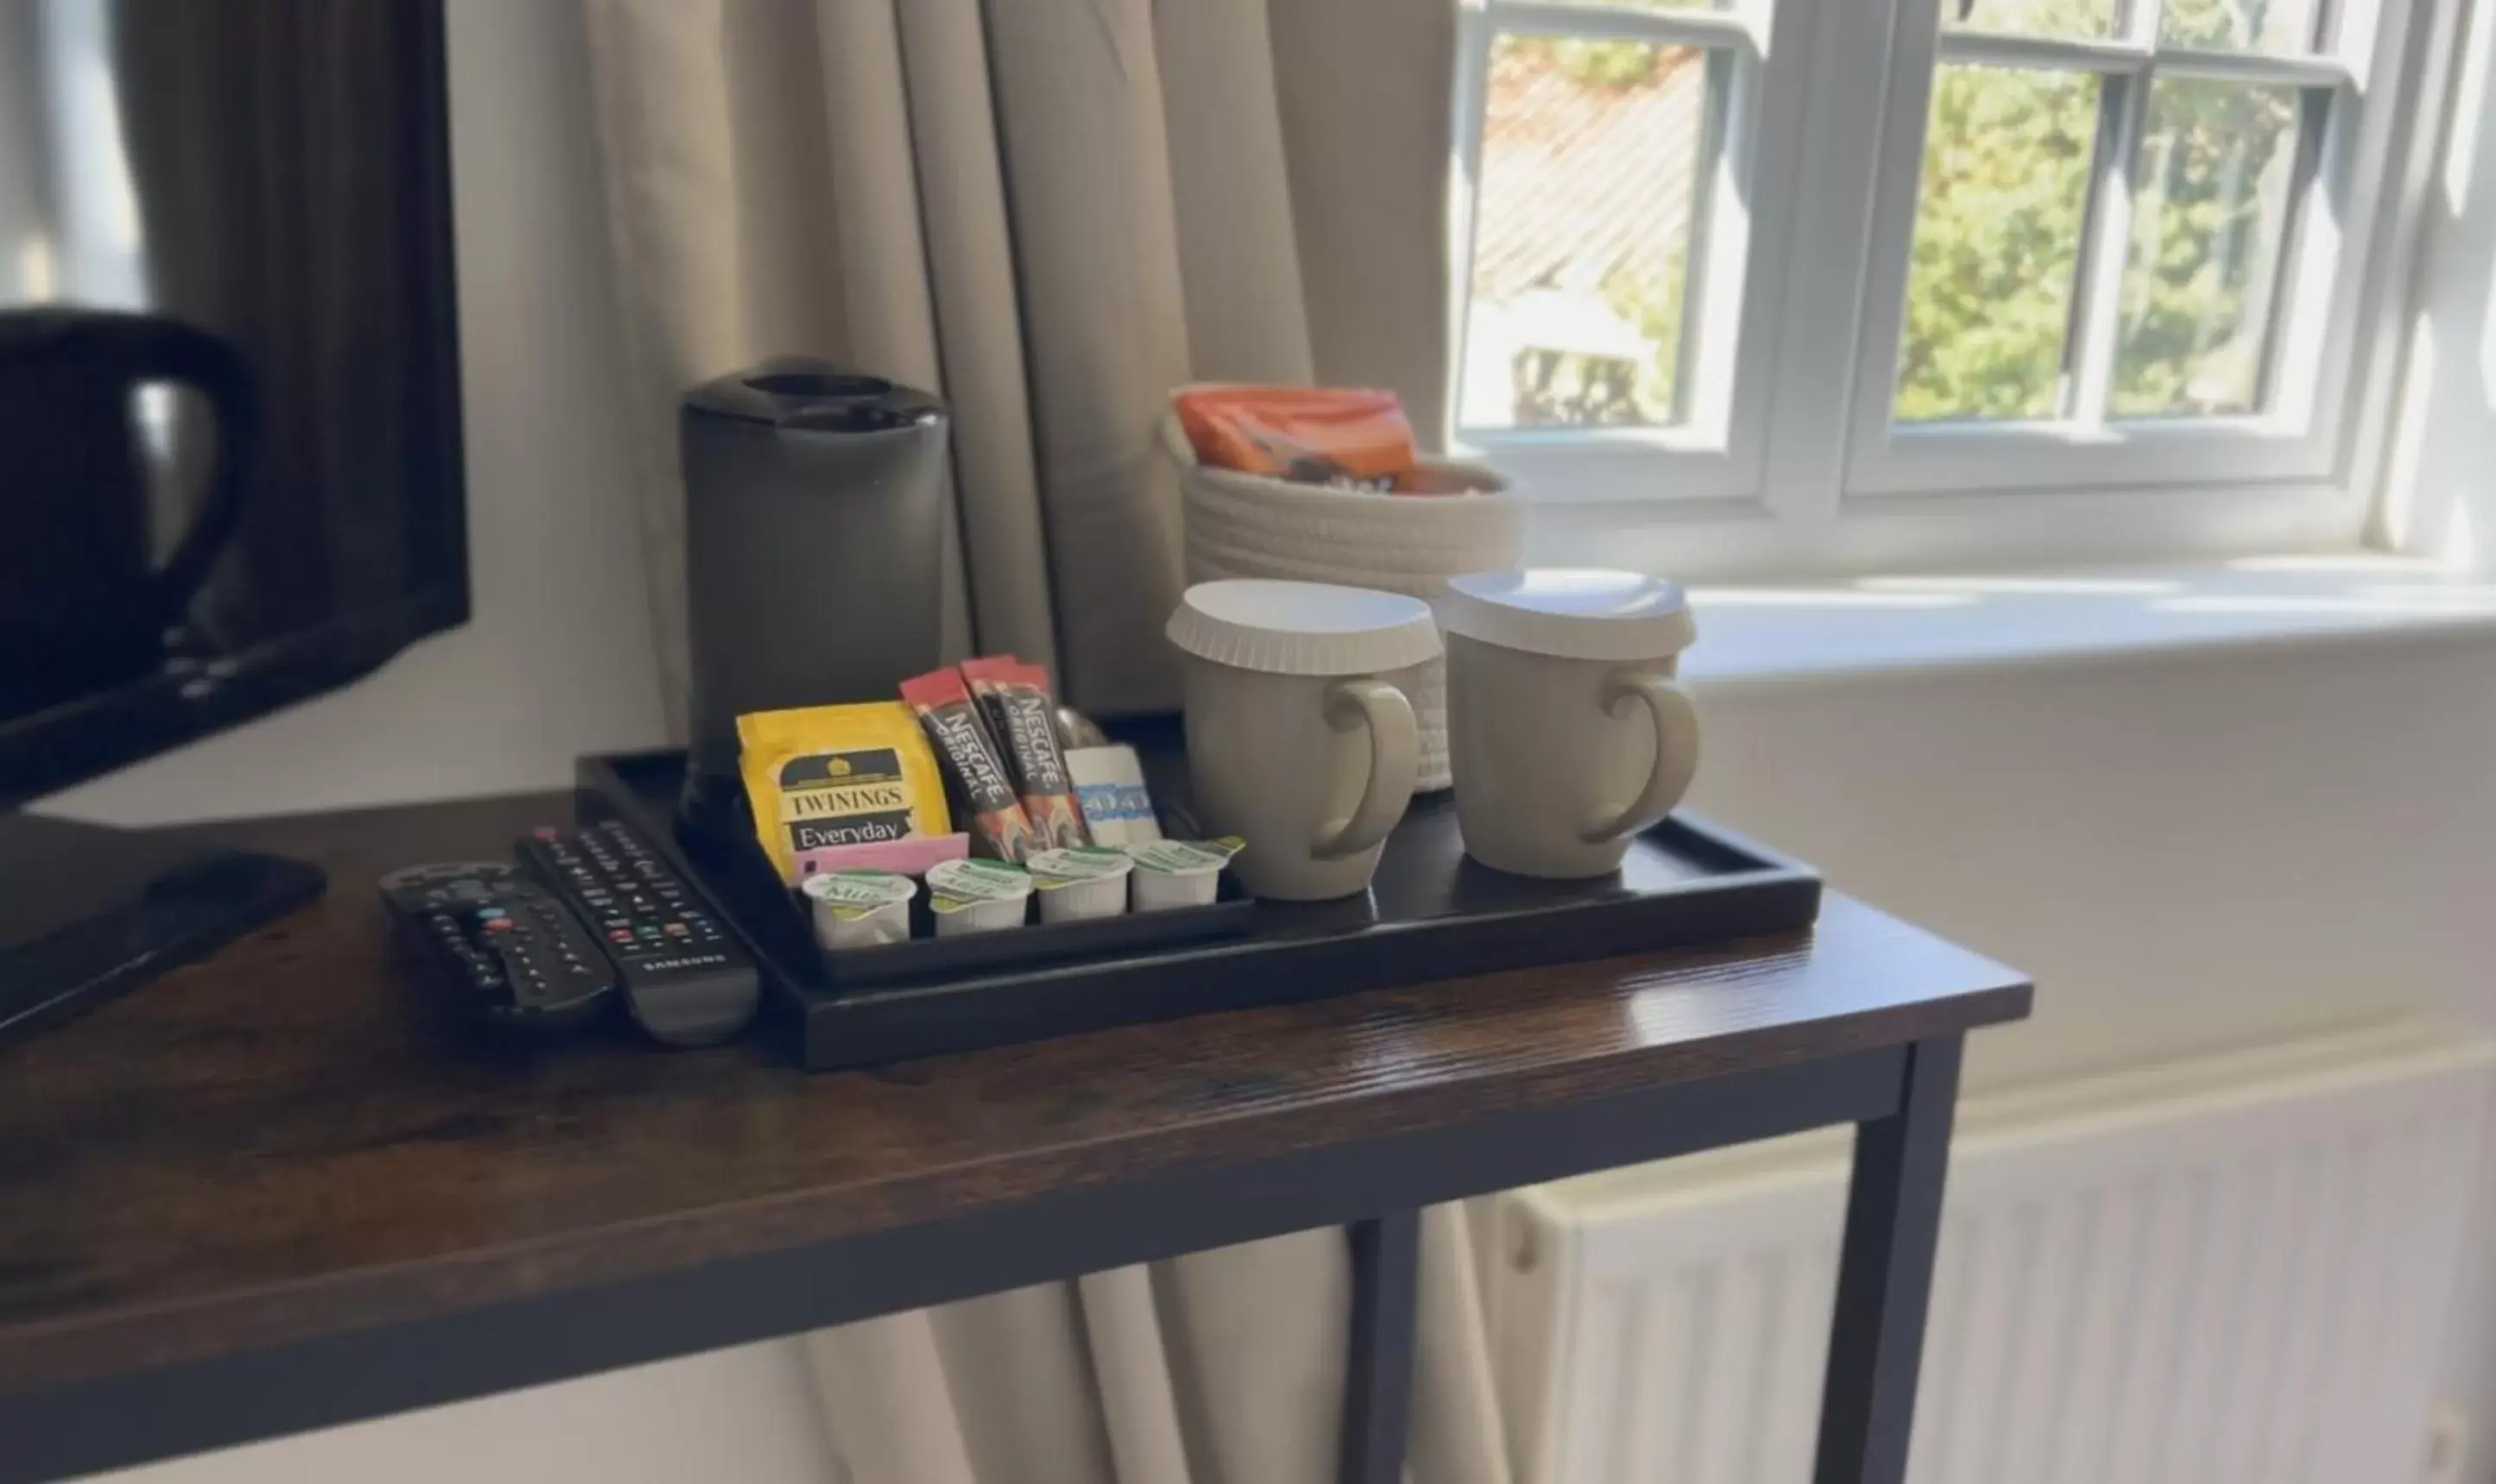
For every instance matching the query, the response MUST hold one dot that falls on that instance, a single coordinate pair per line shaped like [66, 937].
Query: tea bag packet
[825, 777]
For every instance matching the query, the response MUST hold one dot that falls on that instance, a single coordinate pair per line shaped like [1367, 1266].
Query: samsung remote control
[685, 980]
[512, 959]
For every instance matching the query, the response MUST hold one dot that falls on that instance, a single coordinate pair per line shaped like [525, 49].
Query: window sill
[1882, 626]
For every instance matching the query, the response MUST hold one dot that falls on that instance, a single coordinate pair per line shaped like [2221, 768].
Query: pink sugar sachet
[910, 856]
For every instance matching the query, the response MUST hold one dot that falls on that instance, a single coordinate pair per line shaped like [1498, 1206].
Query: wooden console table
[261, 1195]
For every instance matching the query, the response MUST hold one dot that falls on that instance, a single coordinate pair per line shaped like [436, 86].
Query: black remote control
[512, 958]
[685, 980]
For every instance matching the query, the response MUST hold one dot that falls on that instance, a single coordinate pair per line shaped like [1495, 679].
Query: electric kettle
[814, 548]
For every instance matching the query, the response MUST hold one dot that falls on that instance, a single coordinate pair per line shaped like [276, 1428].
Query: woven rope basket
[1245, 525]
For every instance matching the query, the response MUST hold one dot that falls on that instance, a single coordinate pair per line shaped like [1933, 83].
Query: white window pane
[1591, 173]
[2032, 17]
[2209, 238]
[1998, 221]
[2254, 25]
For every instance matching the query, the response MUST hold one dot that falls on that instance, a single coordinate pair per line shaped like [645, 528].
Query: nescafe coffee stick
[991, 706]
[946, 711]
[1020, 696]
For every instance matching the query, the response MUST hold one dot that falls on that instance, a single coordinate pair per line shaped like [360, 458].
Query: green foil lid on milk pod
[977, 896]
[1053, 869]
[1180, 873]
[1081, 882]
[860, 909]
[856, 894]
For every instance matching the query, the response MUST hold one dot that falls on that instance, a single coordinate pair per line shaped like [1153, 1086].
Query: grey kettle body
[814, 530]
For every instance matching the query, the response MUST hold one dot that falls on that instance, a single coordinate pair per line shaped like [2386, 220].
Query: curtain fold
[1240, 262]
[1051, 212]
[969, 268]
[1087, 175]
[1368, 129]
[889, 320]
[1225, 1367]
[1139, 1401]
[713, 137]
[1259, 1335]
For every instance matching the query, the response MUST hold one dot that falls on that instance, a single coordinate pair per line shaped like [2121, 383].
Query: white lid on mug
[1302, 628]
[1570, 613]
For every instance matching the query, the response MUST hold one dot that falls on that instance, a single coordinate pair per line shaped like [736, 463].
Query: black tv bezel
[92, 735]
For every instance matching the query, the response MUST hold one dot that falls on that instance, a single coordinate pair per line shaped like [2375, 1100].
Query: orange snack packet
[1310, 435]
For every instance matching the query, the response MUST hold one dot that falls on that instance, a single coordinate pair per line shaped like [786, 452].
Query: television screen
[230, 469]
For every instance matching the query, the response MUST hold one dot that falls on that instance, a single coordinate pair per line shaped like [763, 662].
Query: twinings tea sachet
[828, 776]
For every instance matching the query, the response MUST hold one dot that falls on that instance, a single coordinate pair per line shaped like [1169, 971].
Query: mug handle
[1395, 763]
[157, 348]
[1677, 750]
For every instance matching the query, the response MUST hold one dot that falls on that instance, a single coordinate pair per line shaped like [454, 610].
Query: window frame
[1804, 474]
[1754, 121]
[2297, 439]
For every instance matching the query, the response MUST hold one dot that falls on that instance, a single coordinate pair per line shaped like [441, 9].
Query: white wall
[2185, 849]
[557, 659]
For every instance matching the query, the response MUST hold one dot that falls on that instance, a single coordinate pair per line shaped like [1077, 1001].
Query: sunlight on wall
[2455, 603]
[38, 277]
[1822, 598]
[2399, 516]
[2437, 479]
[2469, 107]
[2392, 563]
[2061, 587]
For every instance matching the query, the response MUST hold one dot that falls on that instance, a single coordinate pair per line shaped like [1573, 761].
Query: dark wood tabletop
[276, 1145]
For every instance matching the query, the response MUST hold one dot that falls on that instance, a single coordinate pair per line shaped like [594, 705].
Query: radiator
[2226, 1271]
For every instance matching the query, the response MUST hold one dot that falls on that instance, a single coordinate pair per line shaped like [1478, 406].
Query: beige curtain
[1051, 212]
[1220, 1367]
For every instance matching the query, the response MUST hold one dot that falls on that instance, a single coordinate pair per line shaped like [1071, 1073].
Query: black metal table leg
[1893, 1223]
[1378, 1384]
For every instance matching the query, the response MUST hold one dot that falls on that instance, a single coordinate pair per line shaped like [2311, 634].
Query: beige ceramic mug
[1297, 739]
[1566, 728]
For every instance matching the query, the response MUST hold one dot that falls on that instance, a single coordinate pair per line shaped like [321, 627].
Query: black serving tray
[1432, 912]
